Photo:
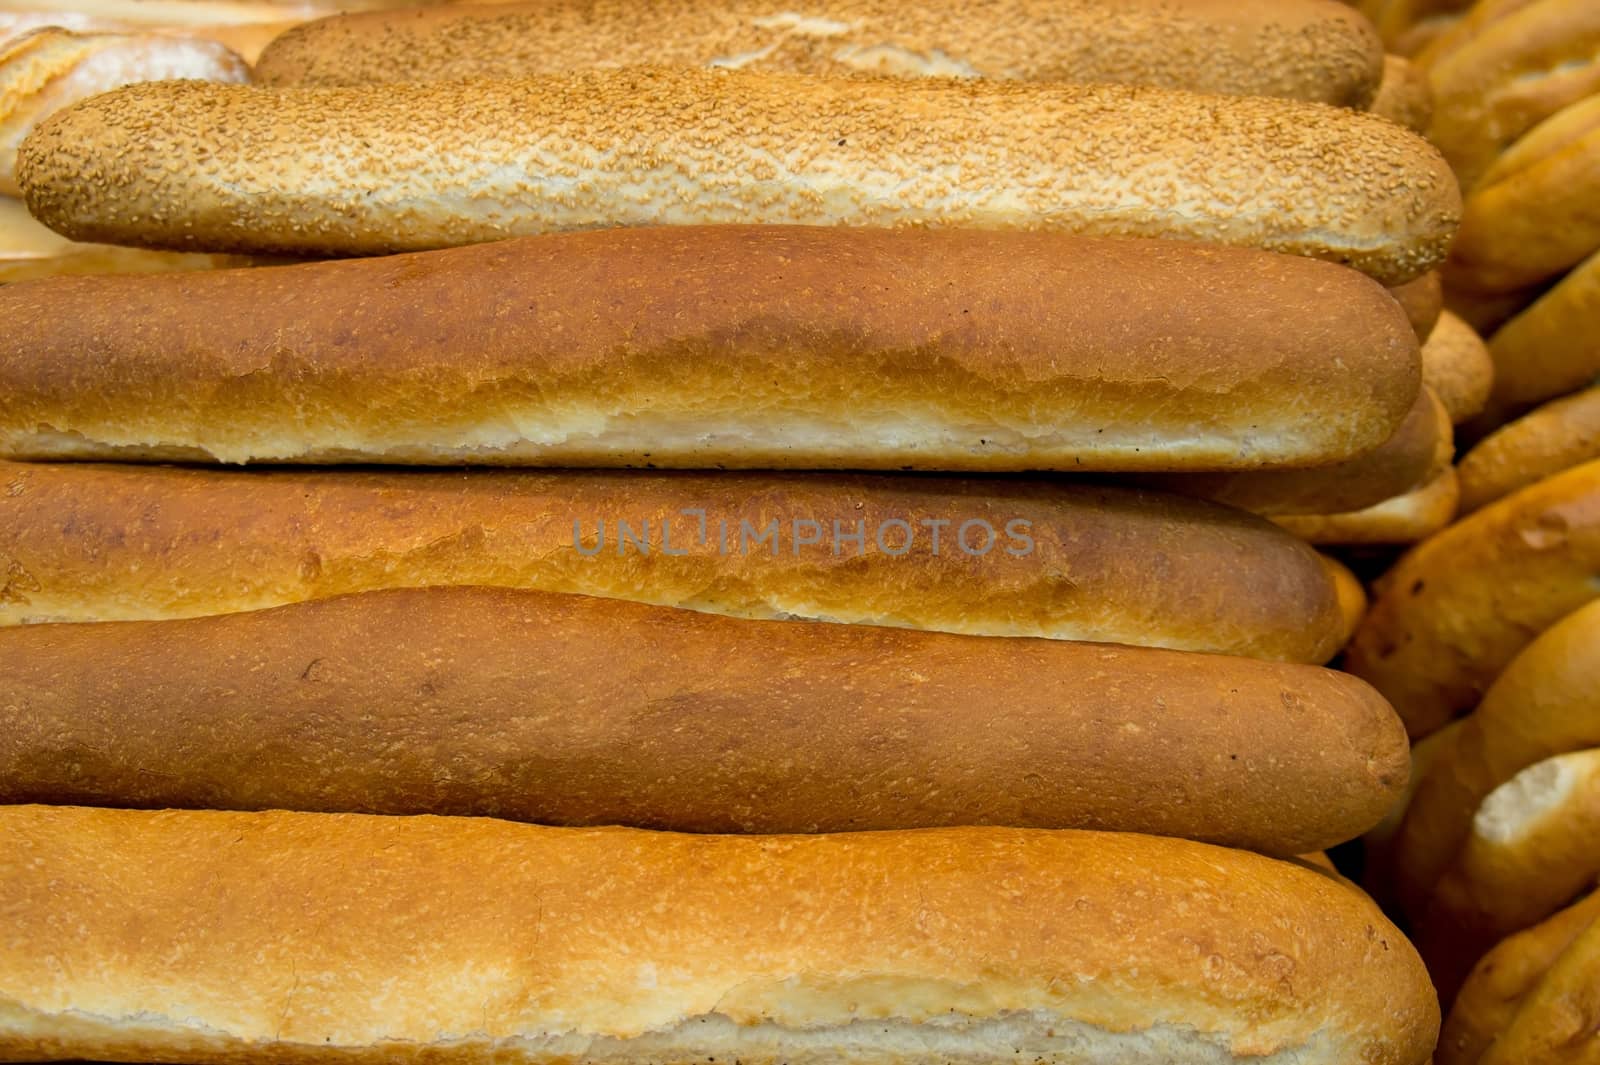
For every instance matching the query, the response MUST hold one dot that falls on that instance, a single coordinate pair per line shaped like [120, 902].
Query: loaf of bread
[1351, 594]
[1380, 849]
[1557, 436]
[1299, 49]
[995, 557]
[1549, 138]
[1546, 703]
[427, 165]
[1554, 1025]
[568, 710]
[1457, 367]
[1418, 452]
[204, 936]
[29, 251]
[1501, 983]
[1459, 607]
[730, 346]
[1405, 519]
[1548, 350]
[1422, 300]
[1403, 95]
[1531, 852]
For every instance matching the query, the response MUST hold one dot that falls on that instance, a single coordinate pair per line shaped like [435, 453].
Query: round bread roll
[1546, 703]
[1457, 367]
[1555, 1025]
[1403, 95]
[1501, 983]
[1423, 301]
[1405, 519]
[1297, 49]
[649, 147]
[1011, 558]
[1459, 607]
[1531, 852]
[469, 940]
[1548, 350]
[1557, 436]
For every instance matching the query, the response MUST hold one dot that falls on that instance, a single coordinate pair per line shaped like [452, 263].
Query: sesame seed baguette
[568, 710]
[738, 346]
[83, 543]
[446, 163]
[1314, 50]
[322, 938]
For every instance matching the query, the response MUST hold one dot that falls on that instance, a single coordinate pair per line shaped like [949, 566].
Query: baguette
[1557, 436]
[1501, 983]
[1460, 606]
[1548, 350]
[1298, 49]
[1419, 451]
[105, 543]
[735, 346]
[1405, 519]
[141, 165]
[1457, 367]
[1423, 301]
[1555, 1025]
[29, 251]
[1403, 95]
[472, 940]
[1544, 704]
[49, 69]
[1531, 852]
[567, 710]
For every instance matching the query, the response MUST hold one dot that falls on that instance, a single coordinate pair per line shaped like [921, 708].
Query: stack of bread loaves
[779, 696]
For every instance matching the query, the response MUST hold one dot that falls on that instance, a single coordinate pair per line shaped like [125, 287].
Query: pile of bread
[887, 629]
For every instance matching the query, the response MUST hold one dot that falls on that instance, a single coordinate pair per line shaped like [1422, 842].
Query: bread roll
[1014, 558]
[1299, 49]
[1457, 367]
[1557, 436]
[733, 346]
[1549, 138]
[1501, 982]
[1422, 300]
[1555, 1024]
[568, 710]
[1510, 73]
[429, 165]
[1352, 596]
[1381, 851]
[1403, 95]
[1531, 852]
[1545, 703]
[1548, 350]
[471, 940]
[1486, 312]
[1405, 519]
[1458, 607]
[1419, 451]
[29, 251]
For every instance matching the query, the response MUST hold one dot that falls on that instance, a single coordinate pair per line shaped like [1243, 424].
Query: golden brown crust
[1458, 607]
[1556, 1022]
[1289, 48]
[1419, 451]
[1381, 845]
[29, 251]
[1423, 301]
[445, 163]
[1557, 436]
[1352, 596]
[487, 936]
[1556, 133]
[1548, 350]
[566, 710]
[731, 346]
[81, 542]
[1405, 519]
[1499, 985]
[1404, 96]
[1457, 367]
[1542, 705]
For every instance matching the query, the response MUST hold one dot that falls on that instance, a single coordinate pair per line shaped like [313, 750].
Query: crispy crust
[1555, 1024]
[82, 542]
[1548, 350]
[29, 251]
[734, 346]
[446, 163]
[443, 939]
[1405, 519]
[1557, 436]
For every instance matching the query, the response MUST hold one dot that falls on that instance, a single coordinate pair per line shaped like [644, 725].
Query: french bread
[731, 346]
[1298, 49]
[86, 543]
[1555, 1025]
[1457, 367]
[1544, 704]
[1405, 519]
[1557, 436]
[29, 251]
[567, 710]
[1422, 300]
[1419, 451]
[1548, 350]
[427, 165]
[318, 937]
[1502, 981]
[1403, 95]
[1531, 852]
[1459, 607]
